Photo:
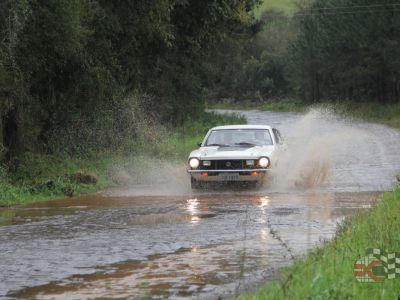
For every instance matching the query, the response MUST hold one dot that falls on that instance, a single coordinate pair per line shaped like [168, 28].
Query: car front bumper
[228, 175]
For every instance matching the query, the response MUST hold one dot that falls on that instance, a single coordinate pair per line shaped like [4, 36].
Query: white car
[234, 153]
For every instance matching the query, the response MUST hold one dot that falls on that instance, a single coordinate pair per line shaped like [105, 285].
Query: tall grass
[50, 176]
[388, 114]
[282, 105]
[287, 6]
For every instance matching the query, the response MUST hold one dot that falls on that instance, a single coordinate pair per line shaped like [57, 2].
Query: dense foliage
[326, 50]
[348, 49]
[70, 66]
[86, 74]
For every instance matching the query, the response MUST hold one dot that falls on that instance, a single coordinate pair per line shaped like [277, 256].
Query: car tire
[196, 185]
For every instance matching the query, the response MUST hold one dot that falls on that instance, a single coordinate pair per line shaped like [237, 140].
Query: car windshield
[239, 137]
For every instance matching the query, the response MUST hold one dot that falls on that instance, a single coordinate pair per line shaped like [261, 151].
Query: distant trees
[328, 49]
[65, 60]
[252, 64]
[348, 49]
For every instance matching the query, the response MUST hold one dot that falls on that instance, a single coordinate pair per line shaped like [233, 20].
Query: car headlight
[264, 162]
[194, 163]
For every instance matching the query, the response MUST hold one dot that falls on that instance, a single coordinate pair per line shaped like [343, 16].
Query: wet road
[162, 240]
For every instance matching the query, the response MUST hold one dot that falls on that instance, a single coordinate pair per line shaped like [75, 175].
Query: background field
[288, 6]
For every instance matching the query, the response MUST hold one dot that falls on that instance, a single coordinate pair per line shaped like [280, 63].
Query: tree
[348, 49]
[13, 15]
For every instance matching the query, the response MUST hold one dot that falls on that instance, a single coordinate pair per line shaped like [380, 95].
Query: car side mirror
[199, 144]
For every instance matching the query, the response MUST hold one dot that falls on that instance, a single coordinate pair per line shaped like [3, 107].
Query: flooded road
[164, 241]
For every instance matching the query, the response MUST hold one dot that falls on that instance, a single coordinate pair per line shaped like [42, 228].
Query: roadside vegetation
[284, 105]
[388, 114]
[50, 176]
[327, 272]
[85, 85]
[286, 6]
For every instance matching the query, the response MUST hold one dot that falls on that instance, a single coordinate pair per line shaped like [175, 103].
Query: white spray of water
[316, 144]
[149, 176]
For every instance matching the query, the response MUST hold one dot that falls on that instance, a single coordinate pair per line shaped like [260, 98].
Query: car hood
[214, 153]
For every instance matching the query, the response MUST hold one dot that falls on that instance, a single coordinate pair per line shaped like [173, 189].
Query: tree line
[327, 50]
[65, 61]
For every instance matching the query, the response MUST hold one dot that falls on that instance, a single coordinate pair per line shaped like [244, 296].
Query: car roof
[242, 127]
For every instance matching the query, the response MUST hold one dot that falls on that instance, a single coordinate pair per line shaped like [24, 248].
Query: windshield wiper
[219, 145]
[245, 144]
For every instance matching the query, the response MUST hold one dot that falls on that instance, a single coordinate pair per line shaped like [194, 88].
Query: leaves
[346, 50]
[70, 57]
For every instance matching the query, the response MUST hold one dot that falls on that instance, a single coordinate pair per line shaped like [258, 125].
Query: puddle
[157, 247]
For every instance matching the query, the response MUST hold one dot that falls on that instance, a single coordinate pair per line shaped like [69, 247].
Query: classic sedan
[234, 153]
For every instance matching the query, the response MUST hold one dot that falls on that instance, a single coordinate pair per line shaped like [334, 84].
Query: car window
[239, 137]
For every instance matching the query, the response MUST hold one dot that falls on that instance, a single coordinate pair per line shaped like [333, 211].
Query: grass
[285, 105]
[388, 114]
[287, 6]
[327, 272]
[40, 177]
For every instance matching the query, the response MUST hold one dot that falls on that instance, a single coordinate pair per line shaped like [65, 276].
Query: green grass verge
[327, 273]
[286, 105]
[287, 6]
[388, 114]
[40, 177]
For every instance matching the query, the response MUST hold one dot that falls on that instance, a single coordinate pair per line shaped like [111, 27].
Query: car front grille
[227, 165]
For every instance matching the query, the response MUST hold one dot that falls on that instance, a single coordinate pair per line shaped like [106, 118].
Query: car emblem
[228, 164]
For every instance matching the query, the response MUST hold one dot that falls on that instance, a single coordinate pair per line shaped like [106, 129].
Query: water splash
[315, 146]
[151, 176]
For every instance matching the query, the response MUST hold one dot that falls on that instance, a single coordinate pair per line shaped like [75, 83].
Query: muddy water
[165, 241]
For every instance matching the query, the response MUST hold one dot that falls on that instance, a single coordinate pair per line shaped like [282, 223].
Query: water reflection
[192, 208]
[261, 203]
[264, 234]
